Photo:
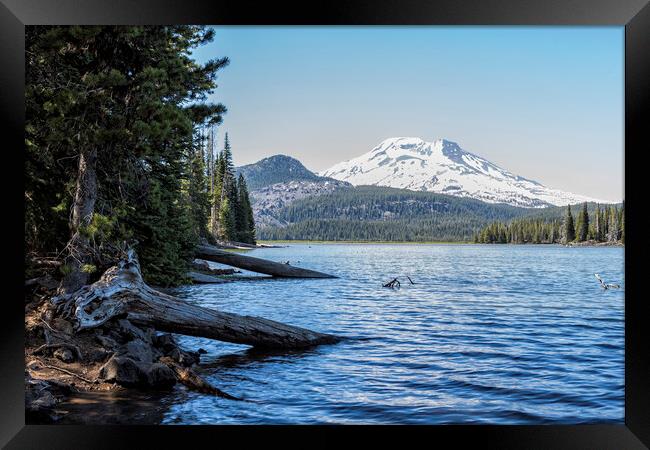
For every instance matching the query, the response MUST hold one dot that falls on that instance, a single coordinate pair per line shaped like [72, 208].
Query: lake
[497, 334]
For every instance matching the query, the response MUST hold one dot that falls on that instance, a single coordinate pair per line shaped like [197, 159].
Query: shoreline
[319, 242]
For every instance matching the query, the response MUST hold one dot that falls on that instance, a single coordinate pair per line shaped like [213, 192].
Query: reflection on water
[110, 408]
[487, 334]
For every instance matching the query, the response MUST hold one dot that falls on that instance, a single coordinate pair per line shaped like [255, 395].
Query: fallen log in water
[202, 278]
[121, 290]
[258, 265]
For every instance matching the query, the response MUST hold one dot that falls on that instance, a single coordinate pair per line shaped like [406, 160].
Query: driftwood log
[394, 283]
[258, 265]
[121, 291]
[202, 278]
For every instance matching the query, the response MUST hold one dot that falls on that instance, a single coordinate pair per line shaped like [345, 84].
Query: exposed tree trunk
[121, 290]
[202, 278]
[193, 381]
[258, 265]
[79, 251]
[86, 192]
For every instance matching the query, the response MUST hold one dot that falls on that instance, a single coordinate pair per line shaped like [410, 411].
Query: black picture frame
[634, 15]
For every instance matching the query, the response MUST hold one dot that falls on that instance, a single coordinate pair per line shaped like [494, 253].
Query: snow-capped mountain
[442, 166]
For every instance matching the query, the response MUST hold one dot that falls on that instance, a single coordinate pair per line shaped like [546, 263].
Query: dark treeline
[606, 224]
[386, 214]
[380, 203]
[439, 229]
[115, 155]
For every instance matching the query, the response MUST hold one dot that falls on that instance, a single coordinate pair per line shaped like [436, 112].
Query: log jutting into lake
[258, 265]
[121, 290]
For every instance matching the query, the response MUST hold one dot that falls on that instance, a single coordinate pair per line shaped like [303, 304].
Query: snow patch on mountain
[442, 166]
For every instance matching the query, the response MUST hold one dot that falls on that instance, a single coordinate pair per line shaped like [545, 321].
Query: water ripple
[488, 334]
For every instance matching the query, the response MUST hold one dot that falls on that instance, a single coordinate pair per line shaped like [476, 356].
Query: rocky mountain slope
[276, 169]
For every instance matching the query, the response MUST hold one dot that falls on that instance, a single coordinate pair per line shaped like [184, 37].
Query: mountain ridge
[277, 169]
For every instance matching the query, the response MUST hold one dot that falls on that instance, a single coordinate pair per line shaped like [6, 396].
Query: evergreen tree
[569, 228]
[197, 189]
[109, 124]
[583, 229]
[245, 220]
[227, 220]
[217, 193]
[597, 225]
[211, 165]
[613, 225]
[227, 190]
[623, 223]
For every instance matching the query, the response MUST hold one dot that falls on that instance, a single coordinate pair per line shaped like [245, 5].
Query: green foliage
[230, 200]
[541, 229]
[88, 268]
[101, 227]
[583, 225]
[520, 231]
[244, 214]
[569, 226]
[227, 220]
[135, 94]
[65, 269]
[623, 223]
[386, 214]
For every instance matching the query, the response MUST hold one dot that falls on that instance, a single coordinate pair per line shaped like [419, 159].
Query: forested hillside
[379, 213]
[388, 214]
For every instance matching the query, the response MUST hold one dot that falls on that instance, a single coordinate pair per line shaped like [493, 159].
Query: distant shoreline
[305, 241]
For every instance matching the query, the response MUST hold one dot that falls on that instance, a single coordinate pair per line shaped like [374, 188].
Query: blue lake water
[496, 334]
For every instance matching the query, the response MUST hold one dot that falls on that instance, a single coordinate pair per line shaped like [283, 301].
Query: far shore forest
[606, 225]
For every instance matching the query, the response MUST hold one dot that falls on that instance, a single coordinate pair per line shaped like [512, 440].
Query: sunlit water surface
[487, 334]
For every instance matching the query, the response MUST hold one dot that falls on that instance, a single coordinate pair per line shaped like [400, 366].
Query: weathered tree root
[122, 291]
[68, 372]
[71, 347]
[193, 381]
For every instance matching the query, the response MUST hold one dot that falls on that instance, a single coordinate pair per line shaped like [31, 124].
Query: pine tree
[623, 223]
[613, 225]
[227, 220]
[246, 222]
[227, 190]
[569, 228]
[583, 229]
[122, 100]
[597, 225]
[619, 224]
[211, 168]
[197, 188]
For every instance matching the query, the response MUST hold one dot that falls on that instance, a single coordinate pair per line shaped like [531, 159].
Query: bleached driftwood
[122, 291]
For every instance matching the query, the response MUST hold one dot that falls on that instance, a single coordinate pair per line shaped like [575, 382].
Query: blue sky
[542, 102]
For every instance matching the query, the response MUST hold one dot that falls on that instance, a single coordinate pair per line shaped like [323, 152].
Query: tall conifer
[569, 227]
[583, 229]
